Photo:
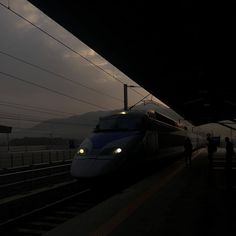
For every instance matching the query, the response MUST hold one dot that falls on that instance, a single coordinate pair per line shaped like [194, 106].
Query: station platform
[175, 201]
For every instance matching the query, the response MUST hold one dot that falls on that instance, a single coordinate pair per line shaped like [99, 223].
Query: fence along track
[10, 160]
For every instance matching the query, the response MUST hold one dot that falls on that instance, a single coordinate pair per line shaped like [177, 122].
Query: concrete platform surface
[176, 201]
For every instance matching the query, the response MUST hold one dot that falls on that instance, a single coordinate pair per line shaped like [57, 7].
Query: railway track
[65, 203]
[41, 209]
[19, 182]
[42, 219]
[24, 191]
[17, 174]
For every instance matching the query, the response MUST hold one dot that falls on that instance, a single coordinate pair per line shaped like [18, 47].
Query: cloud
[24, 41]
[29, 12]
[89, 54]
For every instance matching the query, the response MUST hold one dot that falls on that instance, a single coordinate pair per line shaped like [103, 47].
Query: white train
[121, 140]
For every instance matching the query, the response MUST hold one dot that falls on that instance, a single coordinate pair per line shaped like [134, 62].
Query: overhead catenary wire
[32, 110]
[66, 46]
[36, 108]
[139, 101]
[137, 92]
[7, 117]
[52, 90]
[58, 75]
[26, 117]
[62, 43]
[19, 130]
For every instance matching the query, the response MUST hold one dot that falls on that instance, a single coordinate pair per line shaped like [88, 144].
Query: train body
[124, 139]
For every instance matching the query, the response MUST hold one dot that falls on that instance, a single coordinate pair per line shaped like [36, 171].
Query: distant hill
[78, 127]
[75, 127]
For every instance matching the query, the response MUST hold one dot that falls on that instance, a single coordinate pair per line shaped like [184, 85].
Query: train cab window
[120, 123]
[107, 124]
[130, 123]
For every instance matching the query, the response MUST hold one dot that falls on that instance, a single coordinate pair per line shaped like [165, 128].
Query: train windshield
[120, 123]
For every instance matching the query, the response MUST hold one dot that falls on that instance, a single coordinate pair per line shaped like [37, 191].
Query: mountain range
[79, 126]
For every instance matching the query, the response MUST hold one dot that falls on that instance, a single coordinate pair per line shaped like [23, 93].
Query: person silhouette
[229, 154]
[188, 149]
[211, 147]
[228, 162]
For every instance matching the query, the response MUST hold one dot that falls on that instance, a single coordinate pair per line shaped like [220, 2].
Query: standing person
[211, 148]
[229, 154]
[188, 149]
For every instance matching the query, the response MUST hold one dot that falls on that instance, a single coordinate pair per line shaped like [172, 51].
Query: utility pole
[125, 97]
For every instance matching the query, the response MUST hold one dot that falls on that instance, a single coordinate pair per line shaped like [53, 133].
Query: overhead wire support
[139, 101]
[126, 86]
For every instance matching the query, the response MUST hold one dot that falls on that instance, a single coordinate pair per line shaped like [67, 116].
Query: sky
[46, 72]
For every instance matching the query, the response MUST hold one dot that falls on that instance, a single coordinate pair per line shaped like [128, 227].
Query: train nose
[85, 168]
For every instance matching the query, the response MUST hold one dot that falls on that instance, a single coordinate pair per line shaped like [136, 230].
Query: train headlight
[82, 152]
[111, 151]
[117, 151]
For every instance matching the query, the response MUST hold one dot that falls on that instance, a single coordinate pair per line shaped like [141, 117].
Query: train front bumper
[94, 167]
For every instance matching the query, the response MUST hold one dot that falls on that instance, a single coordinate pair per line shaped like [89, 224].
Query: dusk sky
[52, 74]
[41, 78]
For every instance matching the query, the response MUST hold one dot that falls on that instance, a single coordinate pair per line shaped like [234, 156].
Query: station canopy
[183, 52]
